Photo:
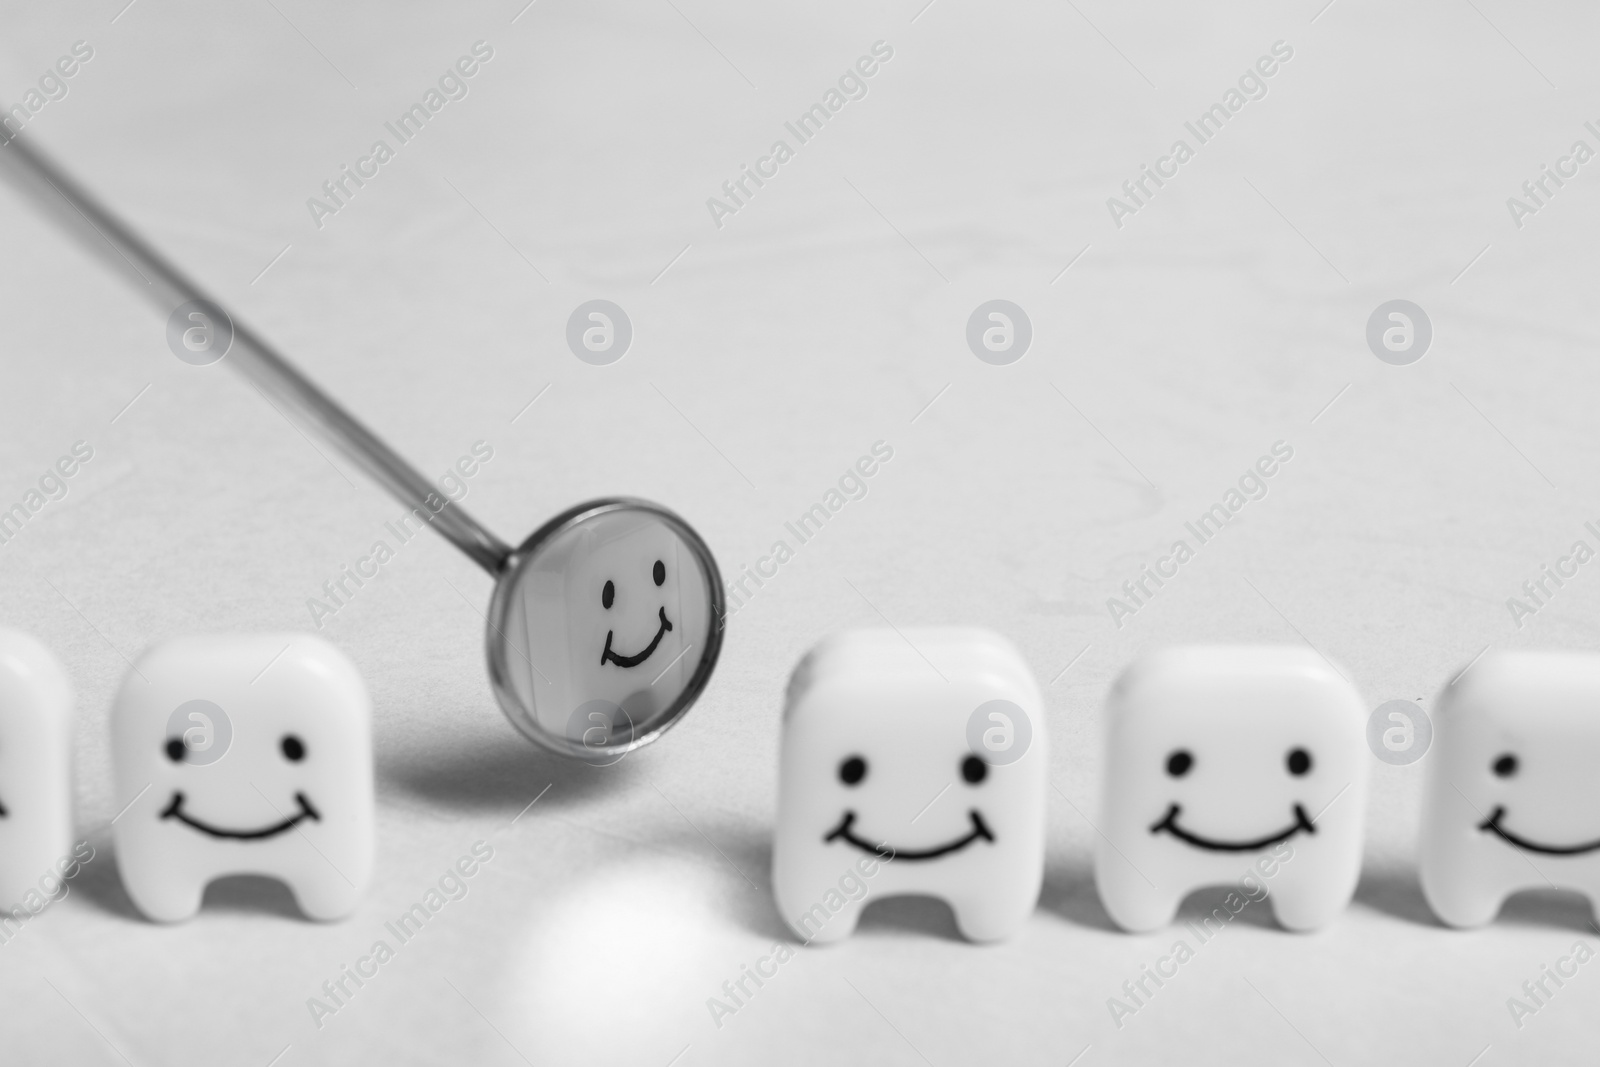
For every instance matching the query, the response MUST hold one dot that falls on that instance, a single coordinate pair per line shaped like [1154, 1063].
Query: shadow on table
[1070, 893]
[747, 852]
[99, 883]
[501, 772]
[1067, 892]
[1204, 903]
[1558, 908]
[1396, 893]
[254, 894]
[923, 916]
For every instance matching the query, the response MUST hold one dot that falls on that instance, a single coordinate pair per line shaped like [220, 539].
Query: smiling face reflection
[612, 622]
[608, 600]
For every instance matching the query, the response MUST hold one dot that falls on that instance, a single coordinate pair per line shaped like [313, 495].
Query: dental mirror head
[604, 628]
[605, 624]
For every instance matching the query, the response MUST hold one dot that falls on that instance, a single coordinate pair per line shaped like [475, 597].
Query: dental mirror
[605, 624]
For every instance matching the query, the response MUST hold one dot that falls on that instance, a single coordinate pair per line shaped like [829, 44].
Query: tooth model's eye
[294, 749]
[974, 770]
[1179, 762]
[1506, 765]
[1299, 761]
[659, 572]
[852, 770]
[175, 749]
[607, 595]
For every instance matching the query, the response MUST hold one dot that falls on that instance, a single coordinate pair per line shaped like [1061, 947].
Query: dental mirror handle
[280, 383]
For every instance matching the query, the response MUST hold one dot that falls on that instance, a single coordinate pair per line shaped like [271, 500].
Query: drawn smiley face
[608, 602]
[292, 749]
[1297, 763]
[618, 617]
[1506, 767]
[853, 771]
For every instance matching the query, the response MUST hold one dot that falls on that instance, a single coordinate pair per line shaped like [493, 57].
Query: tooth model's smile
[634, 661]
[1169, 823]
[978, 830]
[1493, 823]
[175, 811]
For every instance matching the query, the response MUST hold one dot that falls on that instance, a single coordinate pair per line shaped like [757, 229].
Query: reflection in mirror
[605, 628]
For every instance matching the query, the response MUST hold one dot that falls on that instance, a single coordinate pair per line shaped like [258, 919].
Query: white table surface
[774, 351]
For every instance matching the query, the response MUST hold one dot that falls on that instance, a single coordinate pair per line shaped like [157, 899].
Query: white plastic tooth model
[243, 754]
[35, 771]
[1513, 797]
[1229, 762]
[911, 764]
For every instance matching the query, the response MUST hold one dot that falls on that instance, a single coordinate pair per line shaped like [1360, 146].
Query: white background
[1223, 317]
